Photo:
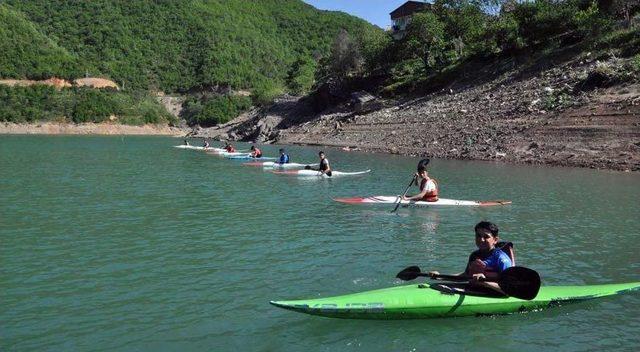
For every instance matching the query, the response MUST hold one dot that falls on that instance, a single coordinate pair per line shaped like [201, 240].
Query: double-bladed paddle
[516, 281]
[403, 194]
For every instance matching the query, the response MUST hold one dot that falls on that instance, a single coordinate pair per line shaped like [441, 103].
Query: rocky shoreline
[564, 115]
[88, 129]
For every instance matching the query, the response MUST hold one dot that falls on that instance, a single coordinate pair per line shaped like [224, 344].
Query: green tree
[425, 40]
[345, 56]
[300, 77]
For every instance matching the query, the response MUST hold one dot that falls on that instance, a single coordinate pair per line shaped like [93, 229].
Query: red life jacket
[257, 153]
[430, 196]
[230, 149]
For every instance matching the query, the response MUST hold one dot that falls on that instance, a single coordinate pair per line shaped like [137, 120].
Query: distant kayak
[211, 150]
[248, 157]
[225, 152]
[312, 173]
[439, 202]
[192, 147]
[451, 300]
[275, 165]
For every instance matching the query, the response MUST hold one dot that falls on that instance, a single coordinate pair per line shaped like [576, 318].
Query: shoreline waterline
[98, 129]
[56, 128]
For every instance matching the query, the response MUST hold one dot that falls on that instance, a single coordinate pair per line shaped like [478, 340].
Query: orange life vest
[431, 196]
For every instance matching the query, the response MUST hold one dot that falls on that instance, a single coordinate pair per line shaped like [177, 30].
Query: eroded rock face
[541, 118]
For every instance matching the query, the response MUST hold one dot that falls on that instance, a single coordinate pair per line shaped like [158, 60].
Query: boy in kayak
[324, 164]
[488, 261]
[428, 186]
[229, 148]
[284, 158]
[255, 152]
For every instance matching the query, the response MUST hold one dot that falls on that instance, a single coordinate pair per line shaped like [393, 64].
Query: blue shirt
[496, 260]
[284, 159]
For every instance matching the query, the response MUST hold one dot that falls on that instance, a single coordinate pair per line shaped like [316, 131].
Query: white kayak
[314, 173]
[192, 147]
[223, 151]
[228, 154]
[211, 150]
[276, 165]
[245, 157]
[439, 202]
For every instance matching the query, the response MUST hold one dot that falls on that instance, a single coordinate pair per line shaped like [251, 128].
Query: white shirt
[429, 186]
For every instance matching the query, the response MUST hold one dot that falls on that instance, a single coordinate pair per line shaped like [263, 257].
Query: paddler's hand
[477, 277]
[433, 274]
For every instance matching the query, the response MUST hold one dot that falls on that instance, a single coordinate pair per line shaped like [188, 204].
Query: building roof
[409, 8]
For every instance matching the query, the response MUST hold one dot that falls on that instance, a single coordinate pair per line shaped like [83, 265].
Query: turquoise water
[128, 244]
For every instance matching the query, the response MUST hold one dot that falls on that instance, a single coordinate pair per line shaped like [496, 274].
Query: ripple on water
[113, 243]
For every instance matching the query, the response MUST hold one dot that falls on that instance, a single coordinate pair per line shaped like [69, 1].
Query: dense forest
[268, 47]
[451, 34]
[207, 49]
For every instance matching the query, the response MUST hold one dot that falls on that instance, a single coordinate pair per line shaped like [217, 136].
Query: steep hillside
[543, 112]
[180, 45]
[25, 52]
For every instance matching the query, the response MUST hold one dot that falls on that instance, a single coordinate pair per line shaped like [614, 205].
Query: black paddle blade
[520, 282]
[328, 173]
[410, 273]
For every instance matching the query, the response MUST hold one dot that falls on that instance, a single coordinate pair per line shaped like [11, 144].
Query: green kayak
[440, 300]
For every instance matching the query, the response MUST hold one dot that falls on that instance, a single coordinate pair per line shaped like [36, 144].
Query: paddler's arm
[416, 197]
[328, 170]
[488, 284]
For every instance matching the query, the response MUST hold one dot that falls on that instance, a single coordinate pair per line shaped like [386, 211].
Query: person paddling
[324, 168]
[489, 260]
[186, 142]
[284, 157]
[206, 144]
[255, 152]
[428, 186]
[229, 148]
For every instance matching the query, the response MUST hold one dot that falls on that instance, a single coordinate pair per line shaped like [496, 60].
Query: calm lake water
[128, 244]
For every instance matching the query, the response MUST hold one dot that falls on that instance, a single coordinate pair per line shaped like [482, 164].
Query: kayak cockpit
[457, 288]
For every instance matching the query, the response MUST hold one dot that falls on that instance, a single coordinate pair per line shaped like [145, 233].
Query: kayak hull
[278, 166]
[314, 173]
[424, 301]
[439, 202]
[194, 147]
[247, 157]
